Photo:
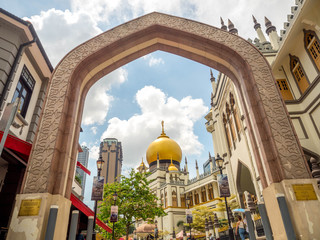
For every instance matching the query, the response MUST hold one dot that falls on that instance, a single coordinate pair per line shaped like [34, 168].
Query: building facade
[172, 184]
[111, 152]
[83, 158]
[294, 57]
[24, 73]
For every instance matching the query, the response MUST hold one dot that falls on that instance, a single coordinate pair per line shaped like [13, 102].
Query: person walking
[242, 228]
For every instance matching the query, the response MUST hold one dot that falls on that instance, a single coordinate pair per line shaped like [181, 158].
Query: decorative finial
[231, 27]
[212, 79]
[254, 20]
[256, 24]
[196, 164]
[185, 159]
[223, 27]
[269, 26]
[162, 123]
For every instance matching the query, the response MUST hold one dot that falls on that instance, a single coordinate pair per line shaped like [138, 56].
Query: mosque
[172, 184]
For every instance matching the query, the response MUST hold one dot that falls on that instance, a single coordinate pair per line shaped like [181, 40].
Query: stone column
[207, 192]
[169, 193]
[178, 196]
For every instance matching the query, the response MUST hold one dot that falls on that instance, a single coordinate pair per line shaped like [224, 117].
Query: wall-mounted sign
[304, 192]
[223, 185]
[189, 216]
[114, 214]
[97, 188]
[30, 207]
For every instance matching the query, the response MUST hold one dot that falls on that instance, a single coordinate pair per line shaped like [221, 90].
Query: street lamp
[219, 162]
[188, 205]
[115, 196]
[100, 163]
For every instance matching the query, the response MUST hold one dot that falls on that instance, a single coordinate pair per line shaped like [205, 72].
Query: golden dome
[165, 147]
[172, 167]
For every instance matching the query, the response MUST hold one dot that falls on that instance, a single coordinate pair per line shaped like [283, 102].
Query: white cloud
[152, 61]
[98, 101]
[140, 130]
[61, 31]
[94, 130]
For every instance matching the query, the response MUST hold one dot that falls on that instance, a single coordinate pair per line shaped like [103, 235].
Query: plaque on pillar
[224, 190]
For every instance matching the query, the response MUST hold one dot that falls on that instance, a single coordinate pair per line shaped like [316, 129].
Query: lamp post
[189, 221]
[219, 162]
[156, 229]
[115, 196]
[100, 163]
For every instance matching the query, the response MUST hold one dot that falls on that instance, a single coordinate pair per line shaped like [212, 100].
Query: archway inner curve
[266, 115]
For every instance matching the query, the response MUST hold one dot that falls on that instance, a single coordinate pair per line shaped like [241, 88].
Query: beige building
[295, 62]
[24, 73]
[111, 152]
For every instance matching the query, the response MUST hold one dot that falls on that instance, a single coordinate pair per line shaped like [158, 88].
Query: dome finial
[162, 124]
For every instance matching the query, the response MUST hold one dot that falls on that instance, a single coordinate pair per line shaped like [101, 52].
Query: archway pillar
[34, 227]
[305, 215]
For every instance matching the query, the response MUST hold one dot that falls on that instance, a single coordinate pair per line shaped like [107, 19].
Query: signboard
[223, 185]
[189, 216]
[304, 192]
[114, 214]
[97, 188]
[30, 207]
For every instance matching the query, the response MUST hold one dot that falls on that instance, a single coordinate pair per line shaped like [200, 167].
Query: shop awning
[87, 211]
[86, 170]
[20, 147]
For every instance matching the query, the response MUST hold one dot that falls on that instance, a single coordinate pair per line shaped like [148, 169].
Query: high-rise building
[83, 158]
[111, 152]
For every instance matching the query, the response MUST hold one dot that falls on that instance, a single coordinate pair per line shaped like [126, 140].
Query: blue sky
[130, 102]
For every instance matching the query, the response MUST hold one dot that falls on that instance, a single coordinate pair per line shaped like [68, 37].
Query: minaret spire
[186, 164]
[272, 33]
[223, 27]
[212, 78]
[198, 176]
[158, 161]
[257, 27]
[231, 27]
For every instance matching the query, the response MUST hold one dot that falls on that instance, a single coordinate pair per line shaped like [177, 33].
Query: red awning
[87, 211]
[86, 170]
[22, 148]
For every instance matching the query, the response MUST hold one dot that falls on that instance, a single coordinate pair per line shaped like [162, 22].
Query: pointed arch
[52, 161]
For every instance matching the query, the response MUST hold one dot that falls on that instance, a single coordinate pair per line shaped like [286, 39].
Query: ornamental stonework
[45, 147]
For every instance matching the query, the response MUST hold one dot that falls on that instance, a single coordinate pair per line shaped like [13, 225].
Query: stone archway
[51, 165]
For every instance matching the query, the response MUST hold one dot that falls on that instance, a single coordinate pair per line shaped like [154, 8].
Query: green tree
[200, 213]
[135, 201]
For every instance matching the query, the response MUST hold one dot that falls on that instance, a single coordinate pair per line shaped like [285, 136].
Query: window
[174, 199]
[203, 195]
[284, 89]
[298, 74]
[196, 198]
[312, 45]
[210, 193]
[183, 201]
[24, 90]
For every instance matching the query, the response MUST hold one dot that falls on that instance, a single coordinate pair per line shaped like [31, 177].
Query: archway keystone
[51, 165]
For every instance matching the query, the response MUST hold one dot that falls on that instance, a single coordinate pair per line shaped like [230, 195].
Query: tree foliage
[200, 214]
[135, 201]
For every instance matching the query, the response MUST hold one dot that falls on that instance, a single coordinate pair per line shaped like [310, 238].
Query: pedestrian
[79, 236]
[210, 236]
[242, 228]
